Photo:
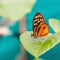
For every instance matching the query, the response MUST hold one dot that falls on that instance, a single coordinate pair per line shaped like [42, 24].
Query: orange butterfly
[40, 28]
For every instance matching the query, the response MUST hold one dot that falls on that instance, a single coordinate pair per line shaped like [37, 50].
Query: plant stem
[35, 59]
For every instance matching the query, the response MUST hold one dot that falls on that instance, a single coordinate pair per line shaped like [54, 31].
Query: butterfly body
[40, 28]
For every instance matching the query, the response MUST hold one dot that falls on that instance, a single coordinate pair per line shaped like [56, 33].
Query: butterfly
[40, 28]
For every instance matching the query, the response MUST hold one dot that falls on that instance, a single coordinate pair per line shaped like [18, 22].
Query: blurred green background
[10, 44]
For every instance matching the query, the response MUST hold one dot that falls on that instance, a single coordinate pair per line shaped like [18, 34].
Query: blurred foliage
[15, 9]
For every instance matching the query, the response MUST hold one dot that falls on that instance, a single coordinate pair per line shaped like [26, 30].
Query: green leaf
[55, 24]
[36, 46]
[15, 9]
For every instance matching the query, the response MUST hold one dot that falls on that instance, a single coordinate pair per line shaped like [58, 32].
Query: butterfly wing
[38, 19]
[42, 30]
[38, 26]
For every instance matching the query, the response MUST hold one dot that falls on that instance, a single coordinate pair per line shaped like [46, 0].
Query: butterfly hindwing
[42, 30]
